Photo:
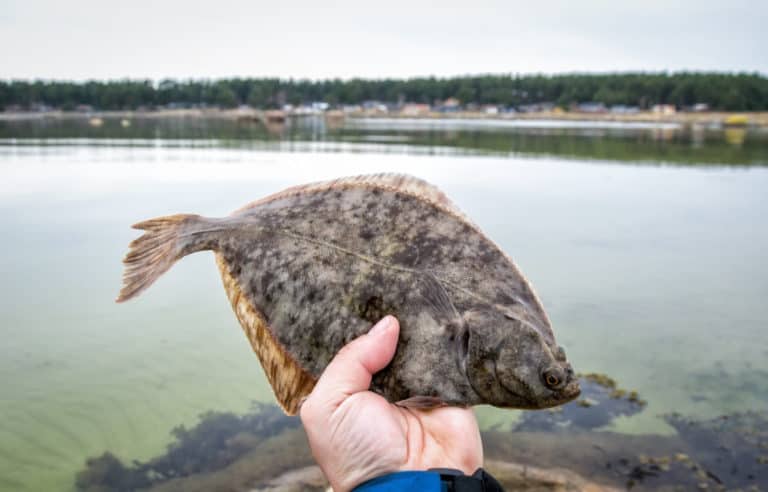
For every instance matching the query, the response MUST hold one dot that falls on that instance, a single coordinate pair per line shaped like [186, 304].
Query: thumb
[353, 367]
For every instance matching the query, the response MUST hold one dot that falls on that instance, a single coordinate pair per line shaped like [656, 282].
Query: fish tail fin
[165, 240]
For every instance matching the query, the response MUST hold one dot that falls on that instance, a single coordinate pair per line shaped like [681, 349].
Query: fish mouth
[570, 392]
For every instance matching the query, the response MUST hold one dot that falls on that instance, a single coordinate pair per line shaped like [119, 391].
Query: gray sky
[81, 39]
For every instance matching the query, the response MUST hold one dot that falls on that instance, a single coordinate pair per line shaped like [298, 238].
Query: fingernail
[382, 326]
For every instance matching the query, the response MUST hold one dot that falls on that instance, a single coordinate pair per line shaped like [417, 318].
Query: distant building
[306, 109]
[700, 107]
[40, 107]
[624, 109]
[663, 109]
[450, 105]
[490, 109]
[413, 109]
[536, 107]
[375, 107]
[590, 107]
[452, 102]
[351, 108]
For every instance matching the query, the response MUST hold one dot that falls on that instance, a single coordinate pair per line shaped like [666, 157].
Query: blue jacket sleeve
[407, 481]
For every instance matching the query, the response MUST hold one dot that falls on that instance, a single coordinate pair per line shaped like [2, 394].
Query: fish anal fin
[290, 382]
[421, 402]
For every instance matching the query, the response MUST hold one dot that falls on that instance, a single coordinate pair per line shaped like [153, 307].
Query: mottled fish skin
[324, 263]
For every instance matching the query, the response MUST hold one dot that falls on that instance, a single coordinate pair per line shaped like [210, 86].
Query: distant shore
[709, 119]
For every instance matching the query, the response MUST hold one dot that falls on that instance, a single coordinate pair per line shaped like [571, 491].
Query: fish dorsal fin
[289, 381]
[404, 183]
[387, 181]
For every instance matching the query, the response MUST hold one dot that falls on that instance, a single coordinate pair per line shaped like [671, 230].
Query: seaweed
[732, 449]
[273, 462]
[602, 400]
[719, 383]
[724, 453]
[265, 450]
[107, 473]
[219, 439]
[676, 472]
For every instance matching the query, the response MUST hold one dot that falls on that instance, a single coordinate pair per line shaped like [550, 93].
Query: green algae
[218, 440]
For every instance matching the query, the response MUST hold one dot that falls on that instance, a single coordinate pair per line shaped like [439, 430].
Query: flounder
[310, 268]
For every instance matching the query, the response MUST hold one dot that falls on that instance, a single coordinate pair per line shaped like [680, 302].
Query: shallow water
[655, 275]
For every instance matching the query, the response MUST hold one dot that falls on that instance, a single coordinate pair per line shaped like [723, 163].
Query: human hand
[356, 435]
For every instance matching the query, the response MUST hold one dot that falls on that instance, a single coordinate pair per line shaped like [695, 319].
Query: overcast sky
[83, 39]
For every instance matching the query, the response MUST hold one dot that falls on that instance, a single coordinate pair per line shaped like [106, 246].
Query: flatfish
[312, 267]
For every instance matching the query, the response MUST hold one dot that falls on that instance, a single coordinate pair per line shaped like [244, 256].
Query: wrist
[433, 480]
[349, 479]
[405, 481]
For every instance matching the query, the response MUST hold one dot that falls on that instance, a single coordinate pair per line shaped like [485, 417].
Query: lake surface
[647, 246]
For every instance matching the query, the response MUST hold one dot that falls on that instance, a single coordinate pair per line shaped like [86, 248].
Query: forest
[719, 91]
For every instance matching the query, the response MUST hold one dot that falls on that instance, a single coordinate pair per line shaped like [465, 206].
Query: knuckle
[346, 351]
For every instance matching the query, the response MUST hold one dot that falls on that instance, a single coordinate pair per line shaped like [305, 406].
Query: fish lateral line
[414, 271]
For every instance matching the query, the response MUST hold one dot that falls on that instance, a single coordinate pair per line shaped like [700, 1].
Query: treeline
[720, 91]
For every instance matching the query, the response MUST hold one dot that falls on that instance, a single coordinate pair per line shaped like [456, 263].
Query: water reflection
[622, 142]
[735, 136]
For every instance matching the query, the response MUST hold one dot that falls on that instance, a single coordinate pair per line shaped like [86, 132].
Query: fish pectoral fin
[421, 402]
[437, 299]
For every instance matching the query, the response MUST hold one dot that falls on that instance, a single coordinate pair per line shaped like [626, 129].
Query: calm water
[653, 274]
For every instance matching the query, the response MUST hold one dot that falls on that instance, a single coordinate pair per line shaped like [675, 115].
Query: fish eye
[551, 379]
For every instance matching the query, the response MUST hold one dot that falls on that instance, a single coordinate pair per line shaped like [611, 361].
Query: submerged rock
[266, 451]
[729, 450]
[307, 479]
[514, 477]
[726, 453]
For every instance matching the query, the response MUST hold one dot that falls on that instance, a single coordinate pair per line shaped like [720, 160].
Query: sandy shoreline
[753, 119]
